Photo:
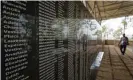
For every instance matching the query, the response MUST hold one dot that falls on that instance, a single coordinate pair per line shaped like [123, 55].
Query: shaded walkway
[115, 66]
[130, 48]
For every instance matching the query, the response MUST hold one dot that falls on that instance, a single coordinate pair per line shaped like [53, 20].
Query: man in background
[123, 44]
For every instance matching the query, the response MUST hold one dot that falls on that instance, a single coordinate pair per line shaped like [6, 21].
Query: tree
[117, 33]
[103, 32]
[109, 31]
[124, 22]
[98, 32]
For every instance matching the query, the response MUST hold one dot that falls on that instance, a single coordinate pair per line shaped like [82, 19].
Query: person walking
[123, 44]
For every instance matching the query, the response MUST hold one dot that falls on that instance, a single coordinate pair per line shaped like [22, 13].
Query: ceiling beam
[112, 14]
[118, 9]
[126, 10]
[104, 10]
[116, 15]
[90, 9]
[119, 2]
[130, 12]
[99, 11]
[111, 9]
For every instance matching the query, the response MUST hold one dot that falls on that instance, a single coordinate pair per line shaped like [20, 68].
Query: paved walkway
[130, 48]
[115, 66]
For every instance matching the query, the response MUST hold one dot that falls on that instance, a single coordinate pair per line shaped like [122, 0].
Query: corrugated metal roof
[102, 10]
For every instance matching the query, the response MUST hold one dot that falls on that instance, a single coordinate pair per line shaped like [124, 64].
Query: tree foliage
[102, 32]
[117, 33]
[98, 32]
[104, 29]
[124, 22]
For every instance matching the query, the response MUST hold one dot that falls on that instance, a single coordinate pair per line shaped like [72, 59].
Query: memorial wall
[46, 40]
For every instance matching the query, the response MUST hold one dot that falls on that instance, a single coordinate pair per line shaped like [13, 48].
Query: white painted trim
[97, 61]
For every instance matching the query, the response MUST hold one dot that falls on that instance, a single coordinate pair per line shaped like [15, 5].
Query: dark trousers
[123, 48]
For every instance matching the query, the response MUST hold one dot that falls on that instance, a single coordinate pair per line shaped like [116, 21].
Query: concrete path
[130, 48]
[115, 66]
